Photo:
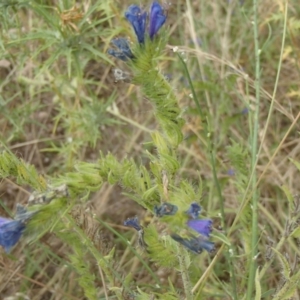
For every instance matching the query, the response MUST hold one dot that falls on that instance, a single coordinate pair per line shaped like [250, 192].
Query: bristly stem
[213, 164]
[184, 274]
[254, 141]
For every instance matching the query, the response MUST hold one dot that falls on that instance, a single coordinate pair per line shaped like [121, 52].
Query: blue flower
[166, 209]
[123, 51]
[134, 223]
[157, 19]
[137, 19]
[10, 232]
[194, 210]
[194, 244]
[204, 227]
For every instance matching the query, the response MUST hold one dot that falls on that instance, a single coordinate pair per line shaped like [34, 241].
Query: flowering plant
[176, 233]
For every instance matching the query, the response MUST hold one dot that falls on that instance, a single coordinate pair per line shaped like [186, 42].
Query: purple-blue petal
[195, 244]
[134, 223]
[204, 244]
[187, 243]
[204, 227]
[157, 19]
[123, 51]
[137, 19]
[194, 210]
[123, 46]
[10, 232]
[117, 54]
[4, 220]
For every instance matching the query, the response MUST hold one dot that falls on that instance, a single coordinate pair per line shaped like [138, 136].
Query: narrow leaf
[220, 236]
[289, 196]
[257, 286]
[286, 269]
[296, 233]
[296, 163]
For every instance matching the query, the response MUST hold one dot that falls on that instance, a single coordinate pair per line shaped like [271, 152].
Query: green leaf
[289, 196]
[296, 163]
[97, 53]
[296, 233]
[220, 236]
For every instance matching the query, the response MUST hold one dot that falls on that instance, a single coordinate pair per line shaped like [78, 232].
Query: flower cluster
[12, 230]
[196, 244]
[203, 226]
[138, 20]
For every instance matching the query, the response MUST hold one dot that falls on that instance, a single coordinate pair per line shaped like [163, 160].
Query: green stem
[254, 240]
[184, 274]
[195, 98]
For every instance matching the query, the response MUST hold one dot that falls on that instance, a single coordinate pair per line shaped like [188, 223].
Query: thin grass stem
[254, 148]
[277, 77]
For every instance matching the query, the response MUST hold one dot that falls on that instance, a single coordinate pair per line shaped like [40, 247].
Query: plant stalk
[184, 274]
[254, 148]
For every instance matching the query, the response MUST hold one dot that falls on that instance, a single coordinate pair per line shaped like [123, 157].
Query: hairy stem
[184, 274]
